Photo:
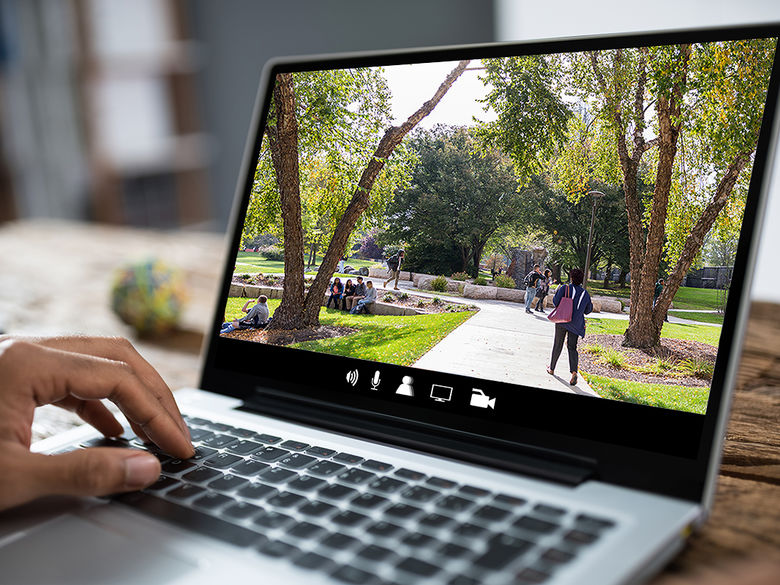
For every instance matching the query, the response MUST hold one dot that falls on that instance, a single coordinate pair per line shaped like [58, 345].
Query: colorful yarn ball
[149, 296]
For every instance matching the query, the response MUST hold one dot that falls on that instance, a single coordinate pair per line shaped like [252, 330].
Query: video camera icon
[482, 400]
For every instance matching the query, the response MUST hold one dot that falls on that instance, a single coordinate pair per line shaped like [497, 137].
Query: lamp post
[596, 196]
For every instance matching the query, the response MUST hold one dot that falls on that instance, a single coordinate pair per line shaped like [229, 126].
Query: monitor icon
[482, 400]
[441, 393]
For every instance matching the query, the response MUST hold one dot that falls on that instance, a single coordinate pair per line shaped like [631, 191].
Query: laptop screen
[490, 234]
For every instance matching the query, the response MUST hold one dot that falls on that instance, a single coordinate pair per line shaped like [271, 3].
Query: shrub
[698, 368]
[436, 301]
[594, 349]
[504, 281]
[403, 296]
[421, 303]
[613, 358]
[246, 276]
[273, 253]
[481, 281]
[388, 298]
[439, 284]
[460, 276]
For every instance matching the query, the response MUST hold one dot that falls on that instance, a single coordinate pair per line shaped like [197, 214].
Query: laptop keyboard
[360, 520]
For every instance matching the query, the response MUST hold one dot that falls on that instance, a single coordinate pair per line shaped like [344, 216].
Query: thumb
[96, 471]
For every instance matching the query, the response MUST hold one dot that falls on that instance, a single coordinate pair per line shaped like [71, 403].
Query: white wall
[531, 19]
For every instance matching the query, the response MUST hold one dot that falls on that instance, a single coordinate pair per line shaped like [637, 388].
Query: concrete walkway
[501, 342]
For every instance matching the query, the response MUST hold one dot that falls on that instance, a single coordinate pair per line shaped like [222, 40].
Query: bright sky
[412, 85]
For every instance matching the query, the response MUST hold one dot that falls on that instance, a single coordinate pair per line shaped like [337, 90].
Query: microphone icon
[375, 381]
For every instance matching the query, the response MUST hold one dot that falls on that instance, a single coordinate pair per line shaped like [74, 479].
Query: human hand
[75, 373]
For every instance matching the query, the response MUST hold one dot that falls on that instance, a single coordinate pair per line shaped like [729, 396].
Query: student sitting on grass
[336, 290]
[256, 317]
[369, 298]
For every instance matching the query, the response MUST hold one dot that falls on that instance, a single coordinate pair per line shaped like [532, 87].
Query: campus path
[502, 342]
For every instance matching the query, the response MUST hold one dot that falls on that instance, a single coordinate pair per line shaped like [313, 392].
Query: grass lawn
[705, 299]
[714, 318]
[391, 339]
[703, 333]
[688, 399]
[250, 263]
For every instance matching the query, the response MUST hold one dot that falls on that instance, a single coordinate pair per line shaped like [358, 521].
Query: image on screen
[562, 221]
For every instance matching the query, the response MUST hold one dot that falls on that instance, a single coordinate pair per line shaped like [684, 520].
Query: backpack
[392, 262]
[528, 280]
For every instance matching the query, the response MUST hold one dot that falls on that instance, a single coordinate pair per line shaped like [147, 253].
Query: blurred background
[135, 112]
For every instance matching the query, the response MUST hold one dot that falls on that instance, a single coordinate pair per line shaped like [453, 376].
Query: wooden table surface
[56, 279]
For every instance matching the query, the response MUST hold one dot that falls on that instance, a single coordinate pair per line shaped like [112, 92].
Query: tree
[298, 309]
[459, 197]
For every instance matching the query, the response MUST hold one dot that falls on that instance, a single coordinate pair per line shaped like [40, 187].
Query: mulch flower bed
[675, 350]
[278, 337]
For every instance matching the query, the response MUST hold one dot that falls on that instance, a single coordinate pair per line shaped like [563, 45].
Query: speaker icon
[352, 377]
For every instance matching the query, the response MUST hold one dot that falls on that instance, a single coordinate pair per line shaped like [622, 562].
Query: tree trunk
[361, 198]
[283, 143]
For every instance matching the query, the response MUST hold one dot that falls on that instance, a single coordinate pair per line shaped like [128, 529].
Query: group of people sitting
[351, 297]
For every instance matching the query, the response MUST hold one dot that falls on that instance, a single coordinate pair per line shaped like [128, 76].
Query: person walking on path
[530, 286]
[575, 328]
[394, 264]
[542, 290]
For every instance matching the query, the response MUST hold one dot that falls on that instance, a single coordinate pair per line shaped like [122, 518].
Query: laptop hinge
[462, 446]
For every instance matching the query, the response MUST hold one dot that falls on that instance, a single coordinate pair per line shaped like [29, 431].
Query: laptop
[363, 434]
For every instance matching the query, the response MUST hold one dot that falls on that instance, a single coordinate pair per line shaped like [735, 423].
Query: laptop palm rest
[72, 551]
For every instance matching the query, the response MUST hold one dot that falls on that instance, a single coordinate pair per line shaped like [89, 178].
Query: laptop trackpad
[72, 551]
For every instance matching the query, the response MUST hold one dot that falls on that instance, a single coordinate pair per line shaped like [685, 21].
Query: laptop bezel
[688, 477]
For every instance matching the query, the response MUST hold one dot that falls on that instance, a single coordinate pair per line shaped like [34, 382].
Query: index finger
[50, 375]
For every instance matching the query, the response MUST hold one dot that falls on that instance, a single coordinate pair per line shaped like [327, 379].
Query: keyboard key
[549, 510]
[297, 461]
[454, 504]
[241, 511]
[402, 511]
[535, 525]
[339, 541]
[271, 519]
[509, 501]
[185, 492]
[305, 530]
[194, 420]
[356, 476]
[531, 577]
[313, 561]
[219, 441]
[212, 501]
[502, 550]
[270, 454]
[177, 466]
[201, 475]
[244, 447]
[278, 549]
[228, 483]
[189, 518]
[473, 492]
[384, 529]
[348, 458]
[490, 514]
[593, 523]
[106, 442]
[320, 451]
[317, 509]
[257, 491]
[410, 474]
[265, 438]
[243, 433]
[306, 483]
[440, 482]
[375, 465]
[463, 580]
[337, 492]
[419, 541]
[375, 553]
[351, 575]
[580, 537]
[162, 484]
[294, 445]
[325, 468]
[470, 531]
[387, 485]
[286, 500]
[420, 494]
[223, 460]
[556, 556]
[200, 434]
[368, 501]
[277, 475]
[454, 551]
[249, 468]
[202, 453]
[220, 427]
[436, 521]
[349, 519]
[418, 567]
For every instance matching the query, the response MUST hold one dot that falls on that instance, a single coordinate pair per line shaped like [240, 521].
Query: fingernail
[141, 470]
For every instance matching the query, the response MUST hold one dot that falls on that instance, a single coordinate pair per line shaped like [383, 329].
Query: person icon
[405, 389]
